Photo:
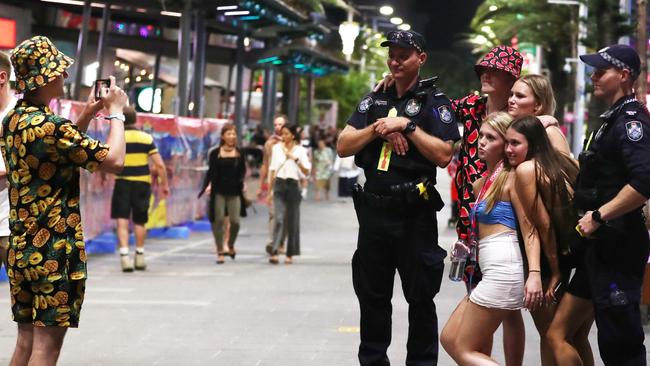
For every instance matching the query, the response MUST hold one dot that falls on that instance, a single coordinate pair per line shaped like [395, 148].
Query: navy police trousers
[619, 261]
[403, 238]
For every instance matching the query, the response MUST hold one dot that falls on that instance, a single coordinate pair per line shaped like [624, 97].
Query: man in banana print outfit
[46, 258]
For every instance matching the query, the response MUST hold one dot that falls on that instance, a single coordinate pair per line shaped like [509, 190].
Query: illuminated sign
[7, 33]
[146, 97]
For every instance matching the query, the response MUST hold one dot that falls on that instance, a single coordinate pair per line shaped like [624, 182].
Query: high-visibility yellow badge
[384, 157]
[386, 148]
[422, 190]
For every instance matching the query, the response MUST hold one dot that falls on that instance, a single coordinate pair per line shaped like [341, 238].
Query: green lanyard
[589, 141]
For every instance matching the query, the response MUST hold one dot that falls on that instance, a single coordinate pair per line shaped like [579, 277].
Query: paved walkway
[186, 310]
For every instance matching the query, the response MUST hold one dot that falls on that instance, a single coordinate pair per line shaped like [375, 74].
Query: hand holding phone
[558, 291]
[101, 84]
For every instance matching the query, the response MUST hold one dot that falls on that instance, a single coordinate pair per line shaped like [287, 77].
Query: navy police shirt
[431, 112]
[624, 138]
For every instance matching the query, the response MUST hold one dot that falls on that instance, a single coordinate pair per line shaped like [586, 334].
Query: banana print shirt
[43, 153]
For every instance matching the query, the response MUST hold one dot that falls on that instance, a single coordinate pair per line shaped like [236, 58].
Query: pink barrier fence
[183, 144]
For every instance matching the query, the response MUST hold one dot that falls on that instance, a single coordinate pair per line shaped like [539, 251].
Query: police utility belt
[420, 192]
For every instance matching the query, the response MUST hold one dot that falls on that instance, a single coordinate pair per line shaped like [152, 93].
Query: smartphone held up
[99, 85]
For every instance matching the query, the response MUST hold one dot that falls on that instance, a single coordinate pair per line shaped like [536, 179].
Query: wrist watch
[595, 215]
[410, 127]
[118, 116]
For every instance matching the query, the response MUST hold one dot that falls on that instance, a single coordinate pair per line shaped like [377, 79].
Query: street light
[349, 31]
[404, 27]
[396, 20]
[579, 108]
[386, 10]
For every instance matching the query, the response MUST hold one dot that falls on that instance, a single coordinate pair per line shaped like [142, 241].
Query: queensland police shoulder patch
[445, 114]
[365, 105]
[634, 130]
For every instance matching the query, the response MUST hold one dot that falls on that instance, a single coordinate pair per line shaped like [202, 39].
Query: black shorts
[131, 197]
[579, 284]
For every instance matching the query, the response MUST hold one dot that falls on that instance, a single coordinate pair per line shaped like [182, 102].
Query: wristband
[118, 116]
[533, 270]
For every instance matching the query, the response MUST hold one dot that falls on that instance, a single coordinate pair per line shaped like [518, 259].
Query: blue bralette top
[501, 213]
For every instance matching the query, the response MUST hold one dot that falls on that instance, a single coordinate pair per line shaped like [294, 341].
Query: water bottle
[459, 254]
[617, 297]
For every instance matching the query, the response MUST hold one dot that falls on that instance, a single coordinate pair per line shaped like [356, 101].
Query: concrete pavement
[187, 310]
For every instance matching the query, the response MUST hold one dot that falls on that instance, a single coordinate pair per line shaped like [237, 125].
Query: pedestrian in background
[348, 173]
[613, 185]
[265, 179]
[46, 258]
[7, 103]
[323, 164]
[224, 182]
[289, 161]
[132, 191]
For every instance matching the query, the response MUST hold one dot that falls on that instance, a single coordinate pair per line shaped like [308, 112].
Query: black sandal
[220, 260]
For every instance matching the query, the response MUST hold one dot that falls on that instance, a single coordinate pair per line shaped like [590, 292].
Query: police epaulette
[427, 83]
[425, 86]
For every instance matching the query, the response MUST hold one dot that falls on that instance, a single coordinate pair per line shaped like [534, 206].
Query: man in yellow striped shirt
[132, 190]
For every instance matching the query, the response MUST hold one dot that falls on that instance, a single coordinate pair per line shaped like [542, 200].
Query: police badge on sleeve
[634, 130]
[365, 105]
[445, 114]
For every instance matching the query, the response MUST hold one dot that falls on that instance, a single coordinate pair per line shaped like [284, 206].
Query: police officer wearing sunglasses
[399, 137]
[613, 186]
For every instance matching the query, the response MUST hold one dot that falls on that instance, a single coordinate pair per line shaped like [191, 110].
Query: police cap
[619, 55]
[406, 39]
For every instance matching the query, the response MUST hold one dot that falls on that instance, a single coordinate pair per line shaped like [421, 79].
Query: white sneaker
[140, 265]
[126, 263]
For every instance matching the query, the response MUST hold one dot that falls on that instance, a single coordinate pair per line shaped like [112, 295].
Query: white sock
[124, 250]
[139, 250]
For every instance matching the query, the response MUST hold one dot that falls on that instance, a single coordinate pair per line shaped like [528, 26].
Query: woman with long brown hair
[225, 182]
[544, 182]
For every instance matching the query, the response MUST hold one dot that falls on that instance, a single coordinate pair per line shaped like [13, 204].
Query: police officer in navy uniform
[399, 137]
[613, 186]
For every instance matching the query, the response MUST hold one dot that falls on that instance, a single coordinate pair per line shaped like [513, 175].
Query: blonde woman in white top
[288, 161]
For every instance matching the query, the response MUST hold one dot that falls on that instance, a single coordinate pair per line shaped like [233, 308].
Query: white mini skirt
[502, 286]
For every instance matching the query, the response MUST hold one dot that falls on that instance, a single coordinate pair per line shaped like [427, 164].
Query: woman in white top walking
[288, 160]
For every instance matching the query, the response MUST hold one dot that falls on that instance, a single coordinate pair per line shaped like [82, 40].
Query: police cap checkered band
[618, 55]
[614, 61]
[406, 39]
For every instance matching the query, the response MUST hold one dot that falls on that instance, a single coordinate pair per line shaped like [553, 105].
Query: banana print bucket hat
[37, 62]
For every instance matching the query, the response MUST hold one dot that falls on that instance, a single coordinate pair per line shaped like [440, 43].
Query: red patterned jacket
[470, 110]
